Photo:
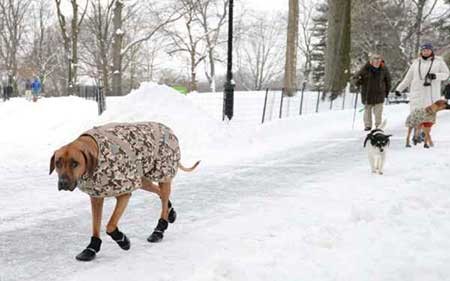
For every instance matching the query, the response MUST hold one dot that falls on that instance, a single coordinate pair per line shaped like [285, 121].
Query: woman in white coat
[424, 78]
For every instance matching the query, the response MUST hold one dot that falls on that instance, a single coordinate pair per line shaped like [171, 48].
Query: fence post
[301, 99]
[281, 103]
[318, 98]
[265, 104]
[354, 110]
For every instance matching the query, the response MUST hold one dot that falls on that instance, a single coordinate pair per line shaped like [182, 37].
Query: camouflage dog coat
[419, 116]
[128, 152]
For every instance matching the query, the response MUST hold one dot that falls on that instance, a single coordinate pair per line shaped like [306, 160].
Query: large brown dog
[424, 118]
[146, 157]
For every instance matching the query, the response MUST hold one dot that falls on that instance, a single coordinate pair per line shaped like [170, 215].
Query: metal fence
[304, 103]
[314, 102]
[92, 92]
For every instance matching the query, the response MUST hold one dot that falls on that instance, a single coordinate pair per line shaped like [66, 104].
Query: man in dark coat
[375, 82]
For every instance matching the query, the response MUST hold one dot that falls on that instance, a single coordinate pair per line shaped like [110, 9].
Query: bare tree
[157, 18]
[380, 26]
[407, 18]
[258, 52]
[12, 23]
[189, 40]
[149, 63]
[337, 64]
[117, 49]
[421, 15]
[97, 56]
[394, 28]
[290, 68]
[211, 14]
[305, 44]
[71, 39]
[44, 47]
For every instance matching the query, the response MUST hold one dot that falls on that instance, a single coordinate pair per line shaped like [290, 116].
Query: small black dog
[379, 142]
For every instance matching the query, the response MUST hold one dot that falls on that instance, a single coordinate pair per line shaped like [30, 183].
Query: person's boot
[120, 238]
[172, 214]
[158, 233]
[91, 250]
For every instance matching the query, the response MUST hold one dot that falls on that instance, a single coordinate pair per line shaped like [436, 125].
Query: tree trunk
[419, 19]
[337, 62]
[117, 50]
[105, 78]
[290, 69]
[193, 86]
[72, 42]
[74, 61]
[212, 69]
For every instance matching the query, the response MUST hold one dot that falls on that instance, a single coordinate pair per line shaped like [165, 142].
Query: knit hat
[426, 45]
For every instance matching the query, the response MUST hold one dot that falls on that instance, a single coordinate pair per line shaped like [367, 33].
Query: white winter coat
[421, 96]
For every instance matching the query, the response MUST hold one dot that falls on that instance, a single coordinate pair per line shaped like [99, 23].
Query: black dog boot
[426, 146]
[91, 250]
[121, 239]
[172, 214]
[421, 137]
[158, 233]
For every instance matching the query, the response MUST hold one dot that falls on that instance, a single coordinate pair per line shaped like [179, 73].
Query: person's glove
[431, 76]
[397, 94]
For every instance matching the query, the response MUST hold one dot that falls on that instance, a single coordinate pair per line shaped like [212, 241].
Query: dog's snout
[63, 182]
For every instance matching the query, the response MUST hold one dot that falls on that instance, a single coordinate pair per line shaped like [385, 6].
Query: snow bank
[311, 212]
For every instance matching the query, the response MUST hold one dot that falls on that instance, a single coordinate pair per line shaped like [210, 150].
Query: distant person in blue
[36, 88]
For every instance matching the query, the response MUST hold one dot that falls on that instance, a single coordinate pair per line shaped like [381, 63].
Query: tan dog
[424, 118]
[86, 162]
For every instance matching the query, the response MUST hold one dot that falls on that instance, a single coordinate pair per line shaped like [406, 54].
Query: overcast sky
[267, 4]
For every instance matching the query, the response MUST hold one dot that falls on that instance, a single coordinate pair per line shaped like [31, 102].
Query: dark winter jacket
[446, 91]
[375, 83]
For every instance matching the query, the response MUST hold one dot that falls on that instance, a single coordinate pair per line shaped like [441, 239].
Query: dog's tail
[383, 124]
[181, 167]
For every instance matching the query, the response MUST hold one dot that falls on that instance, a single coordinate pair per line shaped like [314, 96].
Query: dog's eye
[74, 164]
[58, 163]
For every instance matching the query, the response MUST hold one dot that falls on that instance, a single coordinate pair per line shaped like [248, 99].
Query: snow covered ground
[292, 199]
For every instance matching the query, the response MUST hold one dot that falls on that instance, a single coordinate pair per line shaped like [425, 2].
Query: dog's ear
[365, 141]
[91, 162]
[388, 139]
[52, 164]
